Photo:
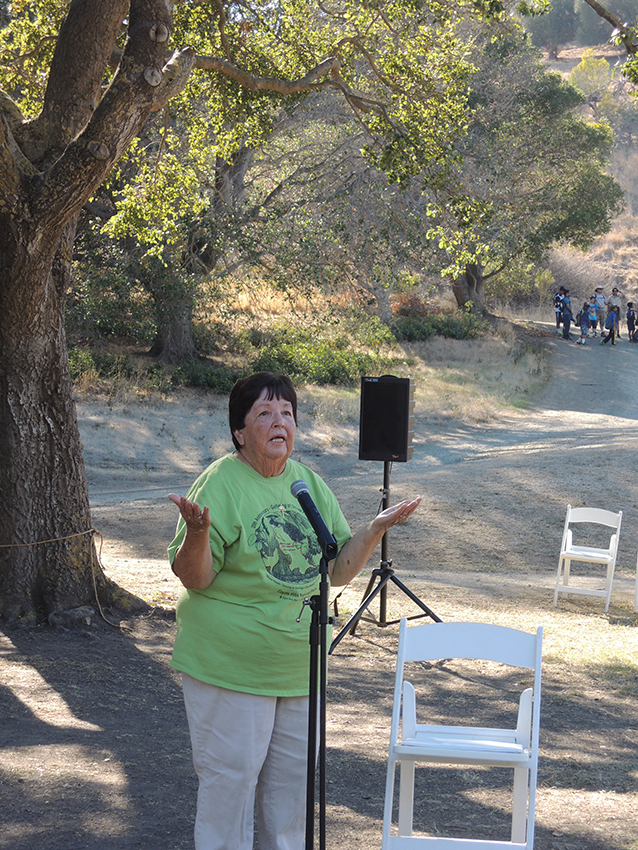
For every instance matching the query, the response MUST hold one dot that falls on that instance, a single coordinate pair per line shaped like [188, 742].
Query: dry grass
[465, 380]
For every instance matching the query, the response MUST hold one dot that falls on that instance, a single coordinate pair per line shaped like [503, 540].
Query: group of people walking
[598, 313]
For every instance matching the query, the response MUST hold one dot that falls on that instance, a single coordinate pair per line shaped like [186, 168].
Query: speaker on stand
[386, 429]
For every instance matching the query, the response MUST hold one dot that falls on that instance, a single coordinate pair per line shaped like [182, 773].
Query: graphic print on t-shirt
[281, 538]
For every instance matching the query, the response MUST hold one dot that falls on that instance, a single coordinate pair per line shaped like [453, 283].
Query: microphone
[300, 491]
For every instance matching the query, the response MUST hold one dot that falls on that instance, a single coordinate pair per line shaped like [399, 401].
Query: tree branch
[628, 42]
[142, 83]
[86, 39]
[250, 81]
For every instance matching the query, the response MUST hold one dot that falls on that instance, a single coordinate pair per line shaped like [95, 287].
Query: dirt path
[94, 749]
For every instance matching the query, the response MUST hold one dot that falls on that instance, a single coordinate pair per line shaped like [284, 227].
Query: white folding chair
[515, 748]
[589, 554]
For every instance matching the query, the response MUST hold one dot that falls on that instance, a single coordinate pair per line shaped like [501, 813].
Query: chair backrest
[478, 641]
[594, 515]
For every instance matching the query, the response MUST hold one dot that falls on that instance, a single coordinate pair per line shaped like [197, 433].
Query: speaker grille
[386, 425]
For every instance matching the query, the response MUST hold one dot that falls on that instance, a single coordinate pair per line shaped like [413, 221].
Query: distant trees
[580, 22]
[537, 169]
[528, 173]
[556, 28]
[624, 32]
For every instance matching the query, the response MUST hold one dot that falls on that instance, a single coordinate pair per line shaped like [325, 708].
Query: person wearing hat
[558, 307]
[601, 300]
[568, 316]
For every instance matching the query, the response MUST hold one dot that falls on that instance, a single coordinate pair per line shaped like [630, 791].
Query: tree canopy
[79, 82]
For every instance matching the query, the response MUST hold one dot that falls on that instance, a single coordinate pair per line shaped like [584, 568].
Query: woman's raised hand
[195, 519]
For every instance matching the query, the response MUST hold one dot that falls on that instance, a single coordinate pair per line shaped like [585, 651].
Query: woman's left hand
[354, 555]
[397, 514]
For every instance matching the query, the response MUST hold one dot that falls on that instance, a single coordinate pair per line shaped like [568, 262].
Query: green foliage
[540, 167]
[198, 373]
[519, 283]
[311, 356]
[317, 363]
[105, 301]
[416, 328]
[26, 50]
[591, 75]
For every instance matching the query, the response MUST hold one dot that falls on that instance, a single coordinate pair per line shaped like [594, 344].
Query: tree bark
[174, 341]
[469, 288]
[47, 555]
[49, 168]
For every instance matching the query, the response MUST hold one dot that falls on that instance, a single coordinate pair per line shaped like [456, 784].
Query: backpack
[609, 321]
[558, 301]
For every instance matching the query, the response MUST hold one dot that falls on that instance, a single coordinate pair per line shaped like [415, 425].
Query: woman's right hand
[195, 519]
[193, 563]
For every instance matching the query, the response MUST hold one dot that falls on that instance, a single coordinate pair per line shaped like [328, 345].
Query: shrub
[195, 373]
[316, 362]
[411, 328]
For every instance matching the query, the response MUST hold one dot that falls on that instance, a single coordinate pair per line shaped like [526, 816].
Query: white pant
[247, 748]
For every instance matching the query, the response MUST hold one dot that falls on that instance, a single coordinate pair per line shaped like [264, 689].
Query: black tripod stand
[384, 574]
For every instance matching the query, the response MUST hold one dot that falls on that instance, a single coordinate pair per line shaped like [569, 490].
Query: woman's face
[268, 436]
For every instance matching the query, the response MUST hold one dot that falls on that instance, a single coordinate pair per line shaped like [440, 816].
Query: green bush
[195, 373]
[455, 325]
[316, 362]
[81, 362]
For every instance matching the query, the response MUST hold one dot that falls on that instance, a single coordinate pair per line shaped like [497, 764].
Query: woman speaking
[248, 557]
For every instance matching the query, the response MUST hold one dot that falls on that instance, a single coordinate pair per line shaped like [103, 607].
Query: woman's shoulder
[222, 467]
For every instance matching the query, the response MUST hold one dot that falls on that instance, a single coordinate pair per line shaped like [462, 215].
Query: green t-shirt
[241, 632]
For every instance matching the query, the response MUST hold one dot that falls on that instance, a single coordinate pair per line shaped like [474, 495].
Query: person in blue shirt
[568, 316]
[631, 321]
[583, 320]
[611, 324]
[594, 310]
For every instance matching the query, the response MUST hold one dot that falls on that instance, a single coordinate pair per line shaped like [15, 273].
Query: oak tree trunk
[49, 168]
[174, 341]
[47, 558]
[469, 288]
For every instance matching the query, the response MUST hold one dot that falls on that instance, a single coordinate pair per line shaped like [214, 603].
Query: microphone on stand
[300, 491]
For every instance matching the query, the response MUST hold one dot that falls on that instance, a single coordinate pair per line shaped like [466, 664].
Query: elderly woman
[248, 557]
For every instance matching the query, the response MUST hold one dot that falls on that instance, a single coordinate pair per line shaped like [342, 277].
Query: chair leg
[558, 575]
[519, 805]
[610, 581]
[563, 573]
[387, 809]
[406, 797]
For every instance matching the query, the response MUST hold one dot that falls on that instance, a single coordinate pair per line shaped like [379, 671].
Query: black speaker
[386, 424]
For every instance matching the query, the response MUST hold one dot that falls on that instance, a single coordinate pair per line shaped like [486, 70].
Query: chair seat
[588, 553]
[433, 744]
[483, 743]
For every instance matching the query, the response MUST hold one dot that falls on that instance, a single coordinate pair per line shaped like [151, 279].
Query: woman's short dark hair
[246, 392]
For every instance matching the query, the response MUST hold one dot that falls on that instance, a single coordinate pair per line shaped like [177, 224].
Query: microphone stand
[319, 623]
